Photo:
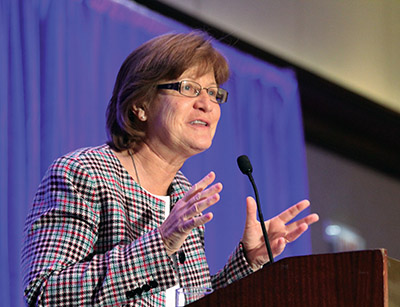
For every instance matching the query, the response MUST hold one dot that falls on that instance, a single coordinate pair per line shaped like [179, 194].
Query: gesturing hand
[280, 231]
[186, 213]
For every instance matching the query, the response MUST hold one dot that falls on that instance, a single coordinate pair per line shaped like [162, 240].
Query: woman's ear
[139, 112]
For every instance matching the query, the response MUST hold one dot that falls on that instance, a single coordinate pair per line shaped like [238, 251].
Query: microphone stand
[246, 168]
[261, 218]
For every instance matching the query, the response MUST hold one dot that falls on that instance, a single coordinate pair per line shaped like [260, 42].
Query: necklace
[134, 166]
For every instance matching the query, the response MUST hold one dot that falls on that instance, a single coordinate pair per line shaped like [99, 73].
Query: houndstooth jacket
[92, 239]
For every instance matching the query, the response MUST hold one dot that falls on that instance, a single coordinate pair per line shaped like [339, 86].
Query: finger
[196, 222]
[201, 195]
[193, 204]
[281, 244]
[251, 211]
[309, 219]
[200, 206]
[200, 186]
[292, 236]
[293, 211]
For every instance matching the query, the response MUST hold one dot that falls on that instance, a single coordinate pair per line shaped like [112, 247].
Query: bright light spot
[333, 230]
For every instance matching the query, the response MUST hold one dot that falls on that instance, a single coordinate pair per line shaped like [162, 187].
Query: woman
[119, 224]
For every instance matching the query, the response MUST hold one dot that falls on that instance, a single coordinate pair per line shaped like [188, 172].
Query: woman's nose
[203, 101]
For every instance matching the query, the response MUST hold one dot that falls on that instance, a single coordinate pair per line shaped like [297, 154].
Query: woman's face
[183, 125]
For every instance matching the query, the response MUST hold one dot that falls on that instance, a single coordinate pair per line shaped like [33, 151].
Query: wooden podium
[360, 278]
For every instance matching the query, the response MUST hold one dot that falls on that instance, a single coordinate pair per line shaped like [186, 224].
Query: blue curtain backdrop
[58, 63]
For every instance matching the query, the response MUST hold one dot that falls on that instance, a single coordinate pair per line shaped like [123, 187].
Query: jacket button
[146, 288]
[153, 284]
[181, 257]
[138, 291]
[130, 294]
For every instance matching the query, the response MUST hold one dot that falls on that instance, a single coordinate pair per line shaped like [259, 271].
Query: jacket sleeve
[236, 268]
[59, 261]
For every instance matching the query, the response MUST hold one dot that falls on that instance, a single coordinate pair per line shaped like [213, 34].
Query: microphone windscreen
[244, 164]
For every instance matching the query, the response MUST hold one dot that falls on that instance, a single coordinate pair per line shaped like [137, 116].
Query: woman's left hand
[281, 230]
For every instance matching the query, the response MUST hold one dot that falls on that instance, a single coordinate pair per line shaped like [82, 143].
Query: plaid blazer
[92, 239]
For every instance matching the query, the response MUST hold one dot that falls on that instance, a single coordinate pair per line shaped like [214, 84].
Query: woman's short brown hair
[161, 59]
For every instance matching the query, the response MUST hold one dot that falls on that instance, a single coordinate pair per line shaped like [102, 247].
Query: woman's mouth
[199, 122]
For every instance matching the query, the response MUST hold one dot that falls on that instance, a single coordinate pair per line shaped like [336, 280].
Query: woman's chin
[199, 147]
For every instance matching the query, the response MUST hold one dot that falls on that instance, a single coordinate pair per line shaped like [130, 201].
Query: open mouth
[199, 122]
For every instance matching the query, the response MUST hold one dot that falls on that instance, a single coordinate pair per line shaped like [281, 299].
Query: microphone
[246, 168]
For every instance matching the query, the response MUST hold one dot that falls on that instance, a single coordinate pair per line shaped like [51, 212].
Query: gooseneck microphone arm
[246, 168]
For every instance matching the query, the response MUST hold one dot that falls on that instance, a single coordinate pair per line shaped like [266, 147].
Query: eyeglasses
[193, 89]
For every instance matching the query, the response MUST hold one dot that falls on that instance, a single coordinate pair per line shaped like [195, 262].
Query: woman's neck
[151, 169]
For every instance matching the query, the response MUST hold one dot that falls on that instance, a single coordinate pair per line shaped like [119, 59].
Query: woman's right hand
[187, 213]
